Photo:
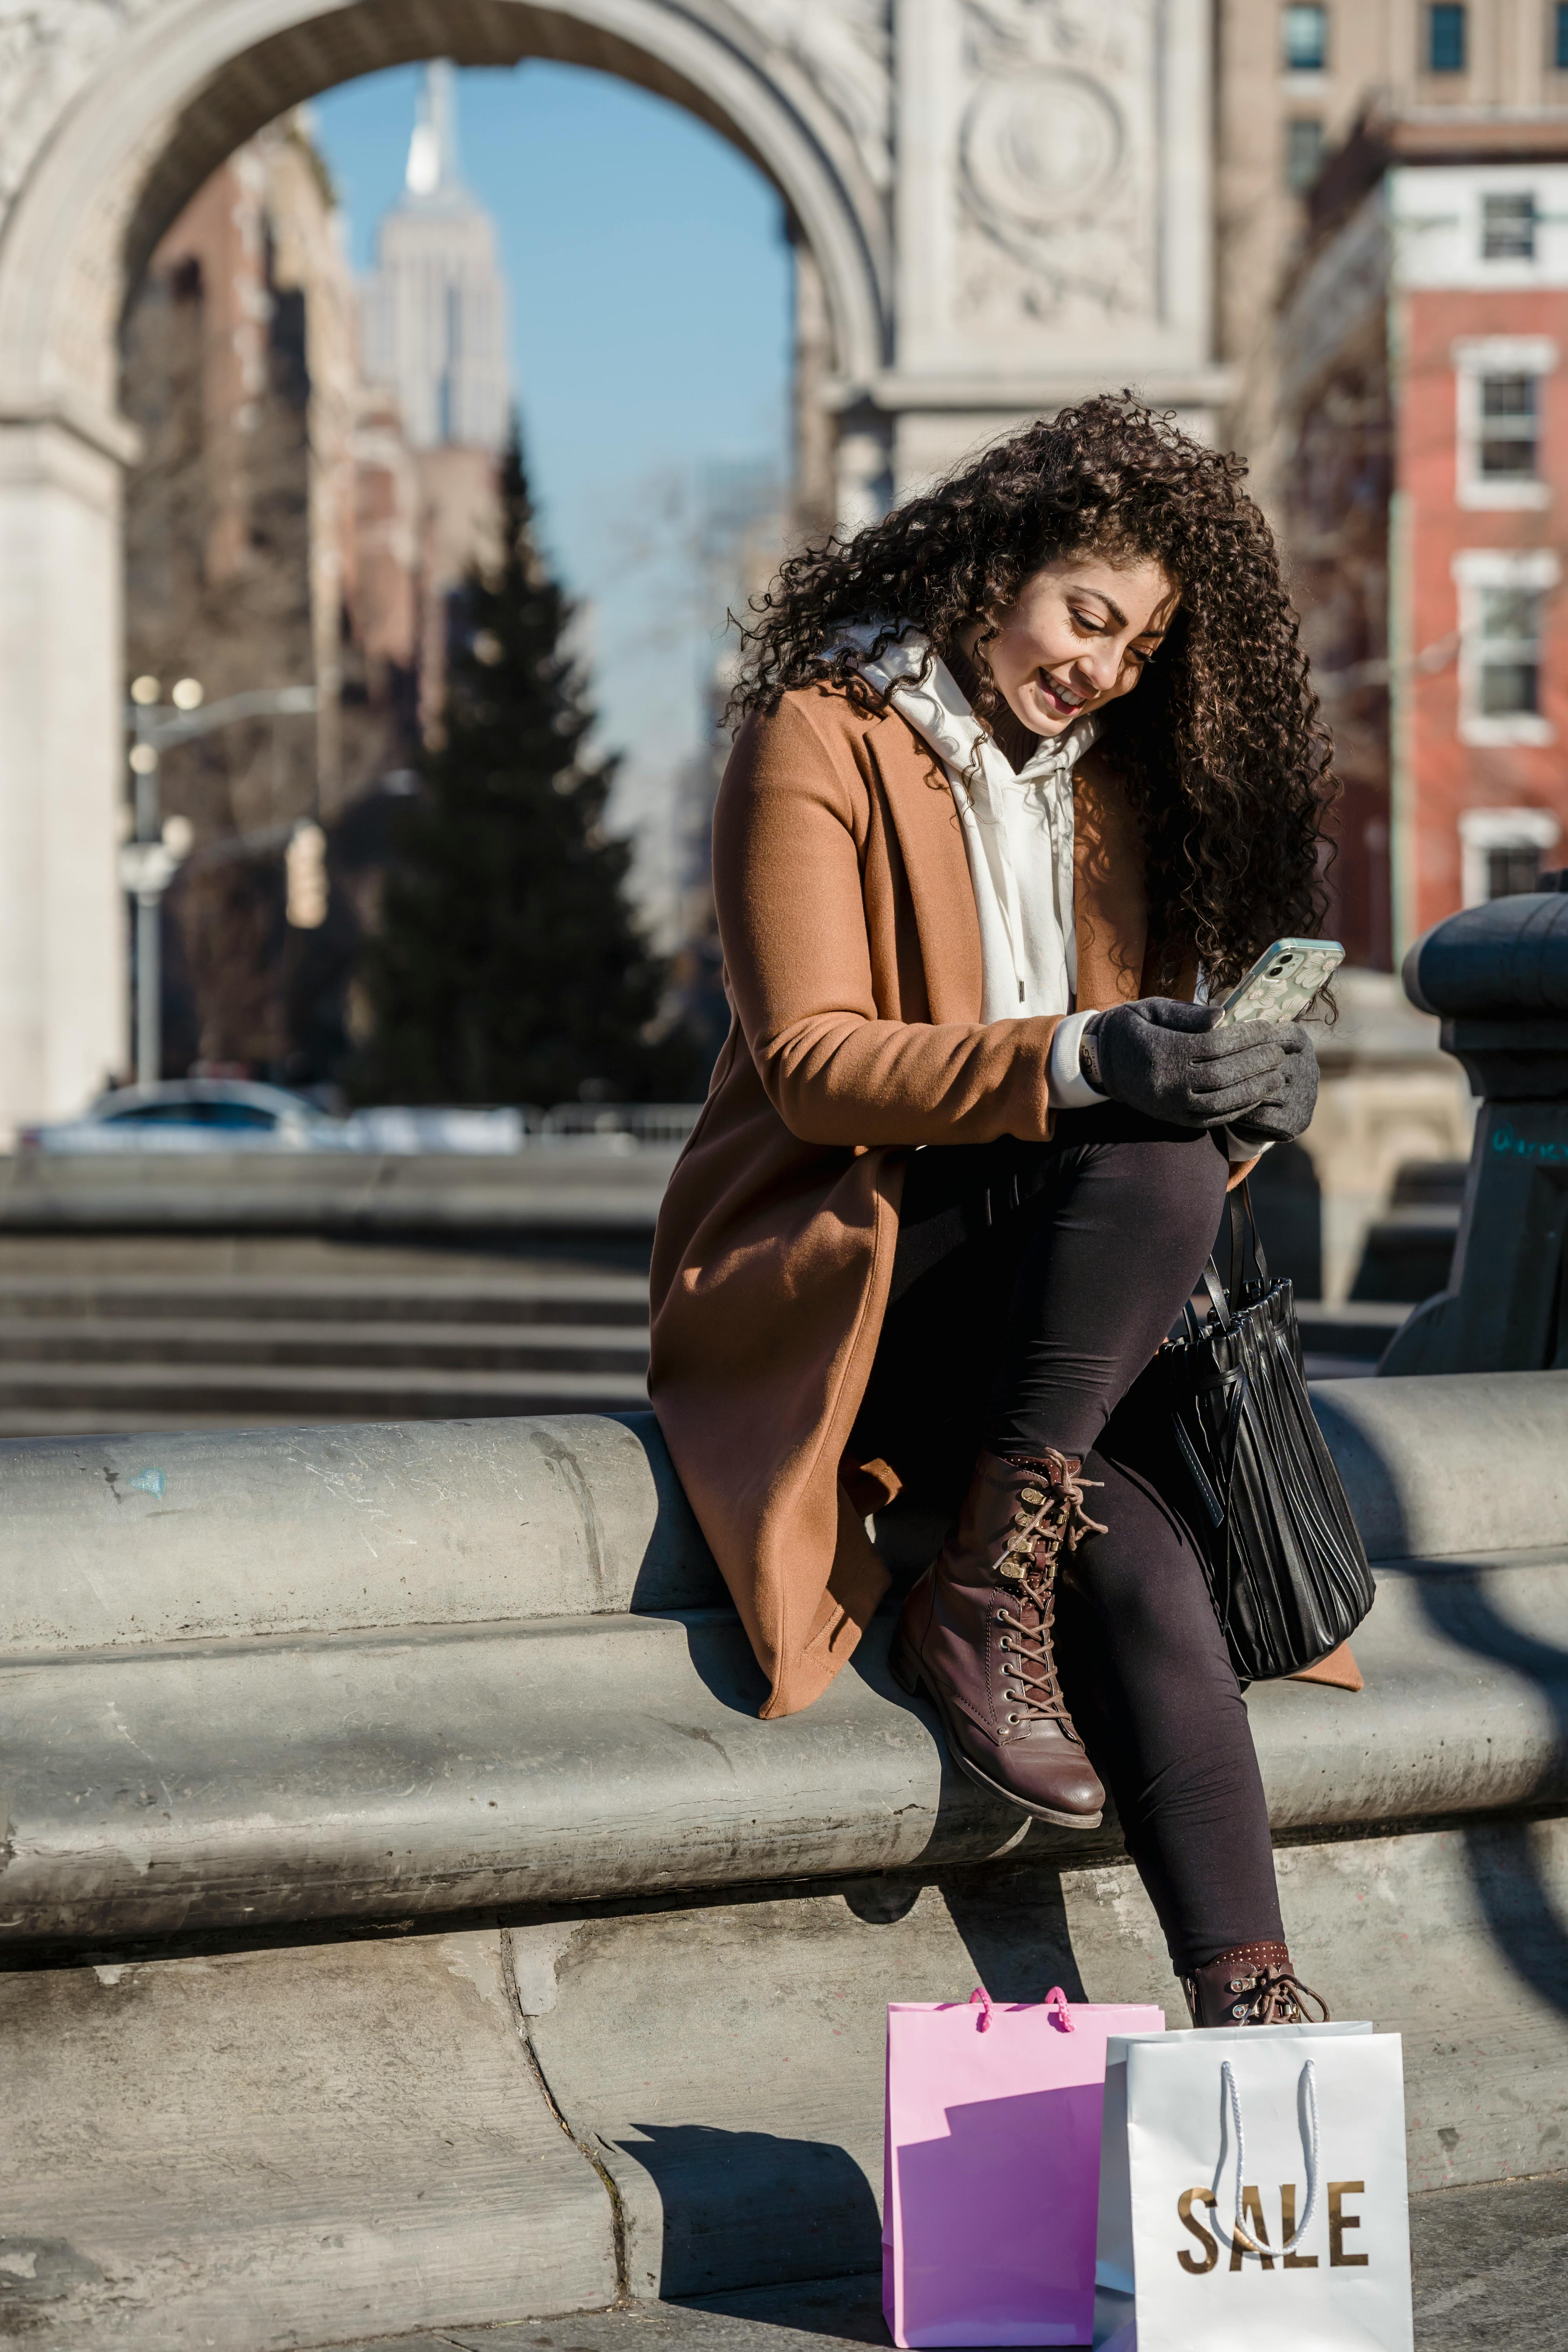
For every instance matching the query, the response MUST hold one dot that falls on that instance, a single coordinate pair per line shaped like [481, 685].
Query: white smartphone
[1282, 982]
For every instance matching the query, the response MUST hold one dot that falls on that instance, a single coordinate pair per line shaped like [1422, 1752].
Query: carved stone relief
[845, 47]
[48, 49]
[1058, 166]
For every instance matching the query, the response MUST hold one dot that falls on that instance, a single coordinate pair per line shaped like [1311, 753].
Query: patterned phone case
[1283, 982]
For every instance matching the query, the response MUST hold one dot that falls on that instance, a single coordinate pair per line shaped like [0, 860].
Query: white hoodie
[1018, 837]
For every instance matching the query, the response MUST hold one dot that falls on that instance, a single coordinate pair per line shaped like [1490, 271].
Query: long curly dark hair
[1224, 757]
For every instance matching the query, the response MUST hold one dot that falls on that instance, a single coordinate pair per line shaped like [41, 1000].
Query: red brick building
[1425, 413]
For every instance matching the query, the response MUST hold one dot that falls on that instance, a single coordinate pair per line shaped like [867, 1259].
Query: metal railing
[648, 1122]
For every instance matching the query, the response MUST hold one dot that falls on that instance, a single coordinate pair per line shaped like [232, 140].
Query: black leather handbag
[1285, 1566]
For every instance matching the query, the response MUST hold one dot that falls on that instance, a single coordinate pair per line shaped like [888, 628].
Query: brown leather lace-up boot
[1253, 1984]
[976, 1636]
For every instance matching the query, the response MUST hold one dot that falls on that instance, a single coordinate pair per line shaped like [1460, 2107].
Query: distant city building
[434, 336]
[738, 526]
[240, 371]
[1425, 414]
[299, 518]
[273, 539]
[434, 310]
[1290, 83]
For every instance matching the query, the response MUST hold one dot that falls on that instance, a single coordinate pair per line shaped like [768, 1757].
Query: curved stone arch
[937, 309]
[167, 101]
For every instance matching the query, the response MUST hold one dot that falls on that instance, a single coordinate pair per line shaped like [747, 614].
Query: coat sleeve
[786, 884]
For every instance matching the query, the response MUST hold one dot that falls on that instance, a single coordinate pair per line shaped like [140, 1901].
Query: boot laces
[1273, 1995]
[1050, 1519]
[1032, 1686]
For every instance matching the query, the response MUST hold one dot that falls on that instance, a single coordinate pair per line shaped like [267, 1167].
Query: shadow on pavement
[1504, 1855]
[756, 2207]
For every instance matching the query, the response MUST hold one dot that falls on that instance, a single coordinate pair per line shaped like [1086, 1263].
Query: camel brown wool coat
[852, 958]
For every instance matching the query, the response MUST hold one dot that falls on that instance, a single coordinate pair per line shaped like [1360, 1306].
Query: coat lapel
[920, 808]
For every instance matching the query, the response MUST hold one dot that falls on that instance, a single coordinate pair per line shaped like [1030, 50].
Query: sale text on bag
[1340, 2222]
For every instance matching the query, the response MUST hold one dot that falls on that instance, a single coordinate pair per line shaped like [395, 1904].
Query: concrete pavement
[1487, 2269]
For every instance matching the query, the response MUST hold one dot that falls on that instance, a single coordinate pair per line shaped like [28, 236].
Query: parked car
[242, 1114]
[435, 1127]
[195, 1115]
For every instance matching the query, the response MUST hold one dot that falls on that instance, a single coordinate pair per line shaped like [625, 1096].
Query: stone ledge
[211, 1535]
[584, 1759]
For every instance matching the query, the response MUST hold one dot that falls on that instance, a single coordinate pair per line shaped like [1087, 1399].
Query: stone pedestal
[1498, 976]
[1052, 215]
[1388, 1096]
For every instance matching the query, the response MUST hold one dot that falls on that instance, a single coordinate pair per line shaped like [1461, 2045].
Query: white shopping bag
[1252, 2191]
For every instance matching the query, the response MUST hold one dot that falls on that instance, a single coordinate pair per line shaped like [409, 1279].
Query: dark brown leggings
[1032, 1284]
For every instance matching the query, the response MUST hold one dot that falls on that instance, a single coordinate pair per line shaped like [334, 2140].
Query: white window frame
[1476, 569]
[1481, 829]
[1474, 357]
[1528, 200]
[1298, 188]
[1307, 77]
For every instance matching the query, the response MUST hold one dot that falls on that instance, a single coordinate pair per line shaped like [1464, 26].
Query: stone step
[91, 1342]
[177, 1255]
[548, 1295]
[1420, 1182]
[1345, 1342]
[1485, 2262]
[17, 1422]
[355, 1777]
[1355, 1327]
[416, 1770]
[577, 1184]
[1408, 1254]
[107, 1397]
[295, 2142]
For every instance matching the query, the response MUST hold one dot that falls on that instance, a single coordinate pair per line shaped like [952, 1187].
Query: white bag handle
[1310, 2080]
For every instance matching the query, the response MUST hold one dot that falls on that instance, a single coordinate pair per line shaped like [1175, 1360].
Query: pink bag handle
[1056, 2003]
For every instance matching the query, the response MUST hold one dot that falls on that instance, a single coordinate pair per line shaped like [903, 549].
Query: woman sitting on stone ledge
[1024, 768]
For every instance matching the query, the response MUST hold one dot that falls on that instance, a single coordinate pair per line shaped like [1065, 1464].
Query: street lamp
[146, 870]
[151, 859]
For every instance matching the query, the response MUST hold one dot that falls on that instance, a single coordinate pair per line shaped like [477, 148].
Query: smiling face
[1079, 638]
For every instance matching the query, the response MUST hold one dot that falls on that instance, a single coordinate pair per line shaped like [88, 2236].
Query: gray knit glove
[1166, 1059]
[1281, 1122]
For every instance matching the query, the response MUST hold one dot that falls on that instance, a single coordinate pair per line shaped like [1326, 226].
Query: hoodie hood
[1017, 827]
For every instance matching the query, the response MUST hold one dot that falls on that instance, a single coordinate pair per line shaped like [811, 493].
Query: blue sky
[649, 287]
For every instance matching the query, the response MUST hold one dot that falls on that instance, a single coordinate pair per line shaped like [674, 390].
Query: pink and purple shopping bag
[991, 2170]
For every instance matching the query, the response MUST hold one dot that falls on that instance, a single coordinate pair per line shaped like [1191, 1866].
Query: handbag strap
[1246, 1242]
[1216, 1291]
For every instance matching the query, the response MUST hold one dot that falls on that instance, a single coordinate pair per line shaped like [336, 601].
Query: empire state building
[433, 330]
[434, 314]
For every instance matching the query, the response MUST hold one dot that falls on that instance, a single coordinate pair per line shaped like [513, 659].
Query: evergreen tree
[510, 967]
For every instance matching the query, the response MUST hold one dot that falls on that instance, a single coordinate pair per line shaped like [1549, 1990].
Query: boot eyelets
[1000, 1565]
